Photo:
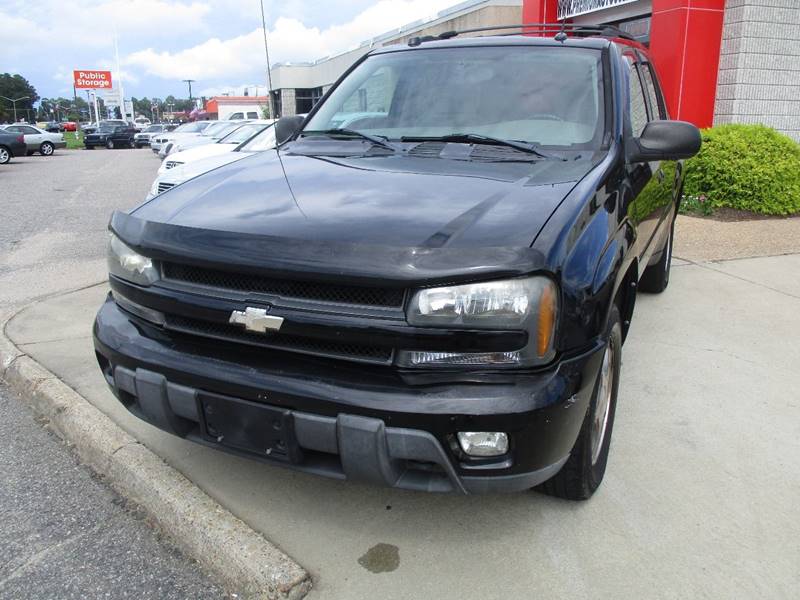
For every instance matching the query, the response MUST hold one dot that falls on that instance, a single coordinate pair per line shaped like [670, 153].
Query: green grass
[74, 139]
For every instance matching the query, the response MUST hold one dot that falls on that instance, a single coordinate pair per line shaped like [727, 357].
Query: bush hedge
[746, 167]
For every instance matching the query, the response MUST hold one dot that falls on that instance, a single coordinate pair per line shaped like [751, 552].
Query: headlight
[529, 304]
[129, 265]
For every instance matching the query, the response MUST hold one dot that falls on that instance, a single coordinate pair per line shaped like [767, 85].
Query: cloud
[289, 40]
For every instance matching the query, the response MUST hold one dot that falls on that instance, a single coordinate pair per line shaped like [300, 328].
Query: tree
[16, 86]
[61, 109]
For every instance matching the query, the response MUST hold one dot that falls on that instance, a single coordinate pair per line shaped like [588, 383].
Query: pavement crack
[62, 339]
[708, 267]
[39, 556]
[711, 350]
[125, 445]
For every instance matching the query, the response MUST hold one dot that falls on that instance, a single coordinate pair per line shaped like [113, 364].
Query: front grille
[163, 186]
[280, 341]
[171, 164]
[286, 288]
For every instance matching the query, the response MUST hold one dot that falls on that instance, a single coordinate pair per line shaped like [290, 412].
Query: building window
[306, 98]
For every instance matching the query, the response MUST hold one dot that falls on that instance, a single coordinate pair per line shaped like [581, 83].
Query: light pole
[190, 82]
[14, 102]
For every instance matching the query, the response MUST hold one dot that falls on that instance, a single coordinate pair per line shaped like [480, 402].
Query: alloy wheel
[605, 389]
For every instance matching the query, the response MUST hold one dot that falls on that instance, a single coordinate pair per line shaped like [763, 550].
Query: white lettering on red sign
[92, 79]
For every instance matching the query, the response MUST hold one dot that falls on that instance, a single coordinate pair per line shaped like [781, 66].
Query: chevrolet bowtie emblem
[256, 319]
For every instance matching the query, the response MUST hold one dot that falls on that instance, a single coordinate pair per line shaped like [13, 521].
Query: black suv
[428, 285]
[111, 134]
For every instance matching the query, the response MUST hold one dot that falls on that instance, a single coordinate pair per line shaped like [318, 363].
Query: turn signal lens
[546, 321]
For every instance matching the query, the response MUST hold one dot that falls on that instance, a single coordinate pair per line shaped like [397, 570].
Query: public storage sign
[91, 80]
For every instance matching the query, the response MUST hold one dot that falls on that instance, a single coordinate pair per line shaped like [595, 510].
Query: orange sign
[91, 80]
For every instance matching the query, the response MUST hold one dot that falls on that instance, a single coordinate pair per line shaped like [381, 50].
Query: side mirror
[665, 140]
[286, 127]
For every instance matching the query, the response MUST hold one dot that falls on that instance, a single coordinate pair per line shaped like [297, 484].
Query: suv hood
[394, 200]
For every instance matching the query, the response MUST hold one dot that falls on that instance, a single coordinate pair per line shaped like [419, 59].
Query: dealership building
[720, 61]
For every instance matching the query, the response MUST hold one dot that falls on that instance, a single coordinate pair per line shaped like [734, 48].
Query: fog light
[483, 443]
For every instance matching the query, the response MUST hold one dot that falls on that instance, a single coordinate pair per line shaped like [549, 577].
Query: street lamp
[14, 102]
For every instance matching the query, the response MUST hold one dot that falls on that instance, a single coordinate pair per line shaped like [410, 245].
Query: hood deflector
[323, 260]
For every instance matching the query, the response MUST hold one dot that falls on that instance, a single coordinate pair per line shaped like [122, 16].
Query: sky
[219, 43]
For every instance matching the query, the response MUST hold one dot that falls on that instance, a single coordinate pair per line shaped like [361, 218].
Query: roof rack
[561, 30]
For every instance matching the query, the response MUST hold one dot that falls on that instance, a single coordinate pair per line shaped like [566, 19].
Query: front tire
[5, 155]
[583, 472]
[47, 149]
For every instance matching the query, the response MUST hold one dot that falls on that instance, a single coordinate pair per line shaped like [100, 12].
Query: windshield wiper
[477, 138]
[377, 140]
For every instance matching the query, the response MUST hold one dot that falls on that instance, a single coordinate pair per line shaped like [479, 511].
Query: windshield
[220, 129]
[548, 96]
[195, 127]
[152, 128]
[107, 126]
[263, 141]
[243, 133]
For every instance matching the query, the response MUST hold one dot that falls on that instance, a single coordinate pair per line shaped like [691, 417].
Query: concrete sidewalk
[699, 499]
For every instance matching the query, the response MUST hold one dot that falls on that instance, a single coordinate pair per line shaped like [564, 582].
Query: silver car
[143, 137]
[37, 140]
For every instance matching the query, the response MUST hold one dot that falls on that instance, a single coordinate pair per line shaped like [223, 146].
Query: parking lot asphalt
[55, 211]
[64, 534]
[699, 498]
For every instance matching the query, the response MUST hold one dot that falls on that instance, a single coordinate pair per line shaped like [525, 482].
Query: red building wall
[685, 40]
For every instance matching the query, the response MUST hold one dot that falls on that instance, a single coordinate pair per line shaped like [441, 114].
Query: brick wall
[759, 69]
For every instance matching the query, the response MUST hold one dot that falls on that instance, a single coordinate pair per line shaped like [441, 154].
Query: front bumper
[354, 421]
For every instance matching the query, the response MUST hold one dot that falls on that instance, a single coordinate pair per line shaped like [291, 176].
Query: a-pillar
[685, 40]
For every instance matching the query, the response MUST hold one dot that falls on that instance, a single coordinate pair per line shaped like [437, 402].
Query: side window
[236, 116]
[28, 130]
[252, 115]
[637, 106]
[657, 111]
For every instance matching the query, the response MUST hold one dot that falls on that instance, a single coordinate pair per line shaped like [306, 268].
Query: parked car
[435, 300]
[37, 140]
[191, 163]
[142, 138]
[240, 116]
[110, 134]
[196, 150]
[69, 126]
[211, 134]
[186, 129]
[92, 127]
[11, 144]
[53, 127]
[141, 123]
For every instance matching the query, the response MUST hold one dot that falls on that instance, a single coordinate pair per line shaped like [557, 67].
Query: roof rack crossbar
[541, 28]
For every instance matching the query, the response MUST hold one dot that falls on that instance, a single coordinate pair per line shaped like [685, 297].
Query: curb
[236, 555]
